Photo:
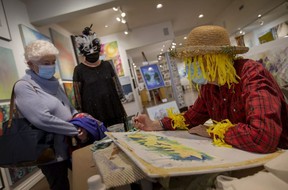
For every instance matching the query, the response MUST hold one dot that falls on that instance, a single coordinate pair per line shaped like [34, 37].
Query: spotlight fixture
[159, 6]
[121, 19]
[123, 14]
[201, 16]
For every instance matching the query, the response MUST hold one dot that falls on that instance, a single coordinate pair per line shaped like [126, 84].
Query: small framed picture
[152, 76]
[4, 28]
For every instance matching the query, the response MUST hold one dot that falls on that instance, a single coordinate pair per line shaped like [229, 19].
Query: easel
[153, 95]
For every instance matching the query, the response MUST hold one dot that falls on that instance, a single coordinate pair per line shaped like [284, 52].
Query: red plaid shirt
[256, 105]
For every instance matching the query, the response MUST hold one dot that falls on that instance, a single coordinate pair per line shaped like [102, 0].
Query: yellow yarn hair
[212, 66]
[218, 131]
[178, 120]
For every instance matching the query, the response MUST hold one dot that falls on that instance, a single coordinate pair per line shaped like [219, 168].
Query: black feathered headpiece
[88, 43]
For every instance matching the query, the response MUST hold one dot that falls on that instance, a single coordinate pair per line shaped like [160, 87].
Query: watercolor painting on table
[175, 153]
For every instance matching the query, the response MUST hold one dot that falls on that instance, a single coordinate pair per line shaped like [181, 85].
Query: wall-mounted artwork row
[8, 73]
[29, 35]
[66, 61]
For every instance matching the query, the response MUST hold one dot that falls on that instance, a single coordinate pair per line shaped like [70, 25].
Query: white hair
[38, 49]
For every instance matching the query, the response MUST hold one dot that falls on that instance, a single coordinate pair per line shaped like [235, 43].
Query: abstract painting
[8, 73]
[175, 153]
[4, 115]
[68, 87]
[29, 35]
[111, 52]
[66, 61]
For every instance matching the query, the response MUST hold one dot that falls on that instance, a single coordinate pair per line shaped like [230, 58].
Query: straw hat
[208, 39]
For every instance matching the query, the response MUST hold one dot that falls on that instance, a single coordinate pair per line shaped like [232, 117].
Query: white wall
[251, 38]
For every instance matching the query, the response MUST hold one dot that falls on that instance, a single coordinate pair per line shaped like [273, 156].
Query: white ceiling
[183, 14]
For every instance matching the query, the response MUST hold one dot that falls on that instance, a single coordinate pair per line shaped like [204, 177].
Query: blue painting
[152, 76]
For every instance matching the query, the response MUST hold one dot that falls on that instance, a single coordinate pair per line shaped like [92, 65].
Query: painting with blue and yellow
[167, 147]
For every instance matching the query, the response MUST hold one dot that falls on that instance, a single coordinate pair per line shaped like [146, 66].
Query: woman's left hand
[199, 130]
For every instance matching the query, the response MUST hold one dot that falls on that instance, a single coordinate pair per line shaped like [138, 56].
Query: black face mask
[92, 58]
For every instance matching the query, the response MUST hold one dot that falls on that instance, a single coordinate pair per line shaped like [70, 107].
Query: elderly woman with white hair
[41, 100]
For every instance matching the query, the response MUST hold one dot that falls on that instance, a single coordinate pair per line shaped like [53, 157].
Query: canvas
[4, 27]
[4, 115]
[127, 88]
[8, 73]
[178, 153]
[160, 111]
[152, 76]
[68, 86]
[66, 61]
[110, 51]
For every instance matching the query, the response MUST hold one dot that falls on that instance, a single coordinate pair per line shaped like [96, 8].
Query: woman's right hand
[82, 135]
[143, 122]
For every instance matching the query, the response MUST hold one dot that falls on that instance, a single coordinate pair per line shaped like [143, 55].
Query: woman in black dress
[96, 84]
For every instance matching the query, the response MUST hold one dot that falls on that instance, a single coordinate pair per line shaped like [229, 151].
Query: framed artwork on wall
[15, 175]
[4, 115]
[8, 73]
[127, 88]
[68, 87]
[152, 76]
[4, 28]
[66, 61]
[111, 52]
[29, 35]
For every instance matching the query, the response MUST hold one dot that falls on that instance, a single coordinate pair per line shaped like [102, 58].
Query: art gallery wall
[16, 14]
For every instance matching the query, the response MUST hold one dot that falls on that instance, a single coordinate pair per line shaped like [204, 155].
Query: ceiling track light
[121, 18]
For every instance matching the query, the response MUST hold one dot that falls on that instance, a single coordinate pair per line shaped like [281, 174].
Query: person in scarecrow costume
[96, 85]
[239, 95]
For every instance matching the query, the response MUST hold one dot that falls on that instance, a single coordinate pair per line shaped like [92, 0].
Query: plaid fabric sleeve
[262, 129]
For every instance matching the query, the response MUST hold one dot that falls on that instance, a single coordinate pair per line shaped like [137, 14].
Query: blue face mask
[199, 79]
[46, 71]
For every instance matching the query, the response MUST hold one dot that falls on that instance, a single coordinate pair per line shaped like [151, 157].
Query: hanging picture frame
[152, 76]
[65, 59]
[4, 28]
[8, 72]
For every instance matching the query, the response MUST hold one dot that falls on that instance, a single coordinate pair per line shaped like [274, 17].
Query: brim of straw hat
[192, 51]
